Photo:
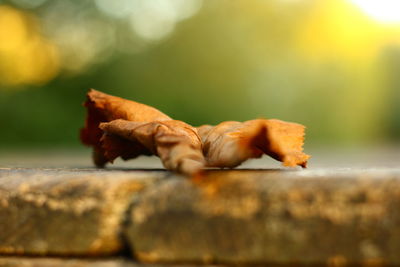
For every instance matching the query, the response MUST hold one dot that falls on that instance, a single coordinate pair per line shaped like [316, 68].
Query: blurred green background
[333, 65]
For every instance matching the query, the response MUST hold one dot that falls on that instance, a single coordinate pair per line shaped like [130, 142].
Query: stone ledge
[66, 212]
[242, 216]
[12, 261]
[283, 217]
[67, 262]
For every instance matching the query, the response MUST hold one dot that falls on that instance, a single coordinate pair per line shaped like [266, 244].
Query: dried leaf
[116, 127]
[230, 143]
[175, 142]
[136, 129]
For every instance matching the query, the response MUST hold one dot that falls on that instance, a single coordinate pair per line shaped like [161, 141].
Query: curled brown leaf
[176, 143]
[230, 143]
[116, 127]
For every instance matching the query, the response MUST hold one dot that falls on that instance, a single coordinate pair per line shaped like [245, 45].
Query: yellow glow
[385, 11]
[25, 57]
[13, 30]
[337, 29]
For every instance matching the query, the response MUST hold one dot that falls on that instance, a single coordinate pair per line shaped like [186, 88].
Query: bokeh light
[29, 3]
[151, 19]
[117, 8]
[26, 57]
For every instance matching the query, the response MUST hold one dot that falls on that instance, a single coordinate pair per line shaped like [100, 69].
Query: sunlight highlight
[385, 11]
